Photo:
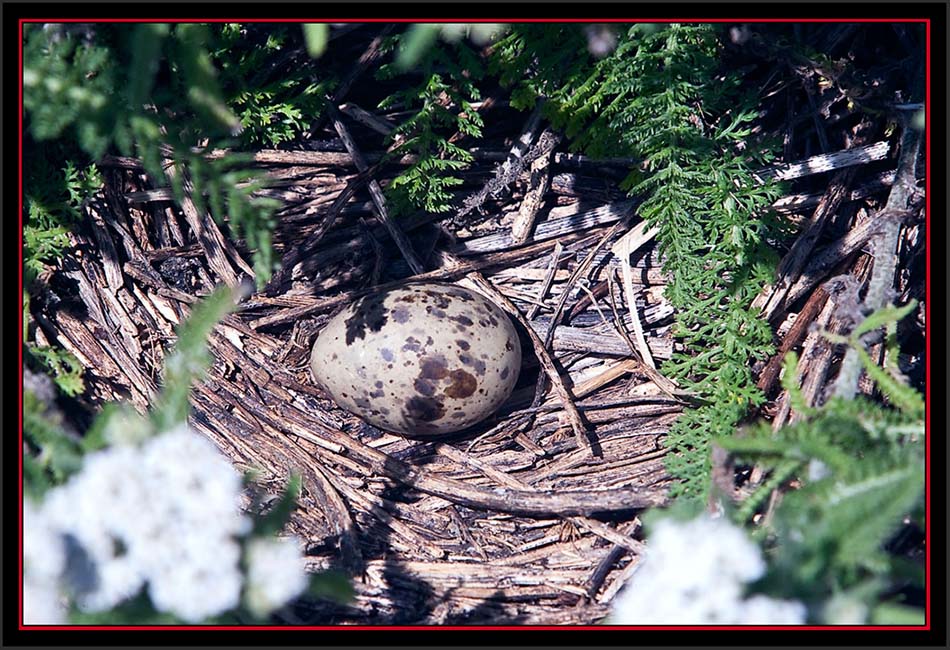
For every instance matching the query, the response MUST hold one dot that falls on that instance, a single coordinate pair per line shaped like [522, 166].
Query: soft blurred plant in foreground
[148, 527]
[839, 545]
[696, 573]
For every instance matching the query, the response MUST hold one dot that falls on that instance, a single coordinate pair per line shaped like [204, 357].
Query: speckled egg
[422, 359]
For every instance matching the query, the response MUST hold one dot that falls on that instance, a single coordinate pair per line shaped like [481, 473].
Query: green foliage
[55, 187]
[275, 96]
[316, 35]
[441, 101]
[51, 455]
[189, 360]
[662, 97]
[173, 106]
[332, 585]
[62, 366]
[274, 519]
[543, 61]
[420, 37]
[863, 469]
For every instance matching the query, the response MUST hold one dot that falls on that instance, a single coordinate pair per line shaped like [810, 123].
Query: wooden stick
[623, 247]
[443, 273]
[379, 124]
[790, 268]
[544, 357]
[210, 238]
[538, 184]
[509, 170]
[548, 279]
[376, 192]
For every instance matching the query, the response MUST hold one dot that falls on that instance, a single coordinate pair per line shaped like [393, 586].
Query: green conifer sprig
[662, 97]
[441, 101]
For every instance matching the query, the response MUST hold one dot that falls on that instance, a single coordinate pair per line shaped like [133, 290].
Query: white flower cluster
[694, 573]
[275, 573]
[165, 514]
[43, 561]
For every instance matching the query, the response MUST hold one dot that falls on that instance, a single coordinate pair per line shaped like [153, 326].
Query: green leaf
[332, 585]
[146, 41]
[277, 517]
[316, 36]
[417, 40]
[883, 316]
[870, 510]
[900, 395]
[189, 360]
[895, 614]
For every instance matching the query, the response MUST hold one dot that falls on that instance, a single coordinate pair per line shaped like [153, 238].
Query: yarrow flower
[695, 573]
[163, 516]
[275, 574]
[43, 561]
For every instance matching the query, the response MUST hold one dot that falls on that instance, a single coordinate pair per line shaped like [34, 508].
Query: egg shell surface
[422, 359]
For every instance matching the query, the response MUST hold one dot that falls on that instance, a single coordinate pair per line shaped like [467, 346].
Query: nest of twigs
[519, 519]
[530, 517]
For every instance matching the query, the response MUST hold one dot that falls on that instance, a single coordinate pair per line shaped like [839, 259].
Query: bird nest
[529, 517]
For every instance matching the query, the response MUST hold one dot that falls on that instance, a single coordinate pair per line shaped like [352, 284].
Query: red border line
[479, 20]
[927, 308]
[20, 324]
[927, 404]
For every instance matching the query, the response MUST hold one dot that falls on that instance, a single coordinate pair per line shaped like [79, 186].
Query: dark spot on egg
[463, 345]
[424, 409]
[461, 294]
[509, 346]
[424, 386]
[368, 314]
[433, 367]
[400, 314]
[458, 415]
[412, 345]
[477, 364]
[387, 354]
[464, 321]
[440, 300]
[504, 373]
[463, 384]
[362, 402]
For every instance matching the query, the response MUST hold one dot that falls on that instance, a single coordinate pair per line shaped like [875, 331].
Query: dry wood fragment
[881, 285]
[828, 162]
[376, 192]
[379, 124]
[507, 172]
[538, 182]
[806, 317]
[444, 272]
[548, 279]
[209, 237]
[790, 268]
[606, 214]
[598, 528]
[624, 249]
